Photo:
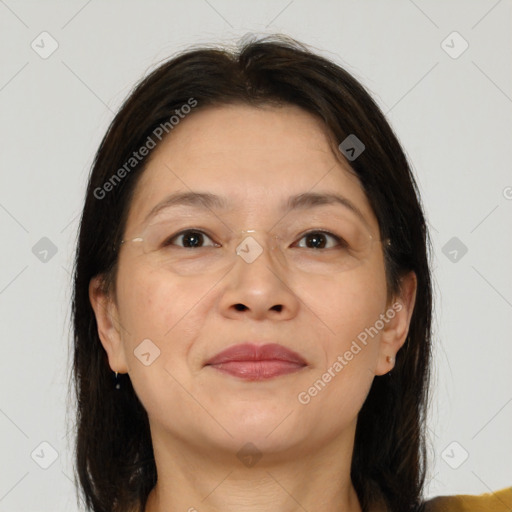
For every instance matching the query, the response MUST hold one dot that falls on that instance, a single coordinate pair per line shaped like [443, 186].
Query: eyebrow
[208, 201]
[313, 199]
[203, 200]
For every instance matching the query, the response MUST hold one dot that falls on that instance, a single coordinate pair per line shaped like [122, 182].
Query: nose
[257, 288]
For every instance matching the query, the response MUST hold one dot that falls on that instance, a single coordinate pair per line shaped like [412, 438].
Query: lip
[257, 362]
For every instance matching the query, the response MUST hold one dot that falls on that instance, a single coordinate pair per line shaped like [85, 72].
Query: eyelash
[339, 241]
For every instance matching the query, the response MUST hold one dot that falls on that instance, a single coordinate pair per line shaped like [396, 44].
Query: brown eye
[319, 240]
[191, 239]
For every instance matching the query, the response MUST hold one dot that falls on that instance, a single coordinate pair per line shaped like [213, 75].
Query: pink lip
[257, 362]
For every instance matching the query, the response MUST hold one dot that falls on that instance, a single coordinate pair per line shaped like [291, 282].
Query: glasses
[200, 250]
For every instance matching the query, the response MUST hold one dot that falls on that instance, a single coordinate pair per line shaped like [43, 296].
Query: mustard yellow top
[499, 501]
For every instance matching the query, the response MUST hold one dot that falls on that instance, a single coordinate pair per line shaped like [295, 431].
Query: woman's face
[177, 307]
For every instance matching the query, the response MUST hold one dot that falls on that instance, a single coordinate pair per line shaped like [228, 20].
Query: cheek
[168, 310]
[154, 302]
[346, 309]
[344, 305]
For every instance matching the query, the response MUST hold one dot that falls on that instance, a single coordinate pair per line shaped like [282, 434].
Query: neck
[195, 480]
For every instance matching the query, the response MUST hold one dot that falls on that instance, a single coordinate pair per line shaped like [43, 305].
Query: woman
[253, 299]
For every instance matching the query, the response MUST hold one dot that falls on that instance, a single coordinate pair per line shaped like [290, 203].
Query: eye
[191, 239]
[320, 240]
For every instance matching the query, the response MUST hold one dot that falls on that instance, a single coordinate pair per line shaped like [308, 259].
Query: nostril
[243, 307]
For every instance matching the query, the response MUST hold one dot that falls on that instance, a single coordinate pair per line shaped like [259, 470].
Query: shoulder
[499, 501]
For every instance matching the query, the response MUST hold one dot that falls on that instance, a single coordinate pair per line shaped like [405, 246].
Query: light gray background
[452, 115]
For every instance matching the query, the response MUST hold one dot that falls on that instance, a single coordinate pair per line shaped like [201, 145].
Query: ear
[109, 328]
[395, 331]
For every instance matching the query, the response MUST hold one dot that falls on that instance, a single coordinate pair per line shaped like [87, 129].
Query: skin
[200, 418]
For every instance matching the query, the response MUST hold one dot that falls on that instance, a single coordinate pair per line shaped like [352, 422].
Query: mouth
[257, 362]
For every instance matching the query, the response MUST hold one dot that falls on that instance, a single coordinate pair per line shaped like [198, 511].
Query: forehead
[256, 157]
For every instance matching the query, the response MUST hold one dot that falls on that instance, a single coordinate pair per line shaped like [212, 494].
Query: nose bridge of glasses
[251, 243]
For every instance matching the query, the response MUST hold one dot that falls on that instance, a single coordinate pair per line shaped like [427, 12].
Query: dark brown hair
[114, 455]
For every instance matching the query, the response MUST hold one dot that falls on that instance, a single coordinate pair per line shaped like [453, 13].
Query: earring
[118, 386]
[390, 360]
